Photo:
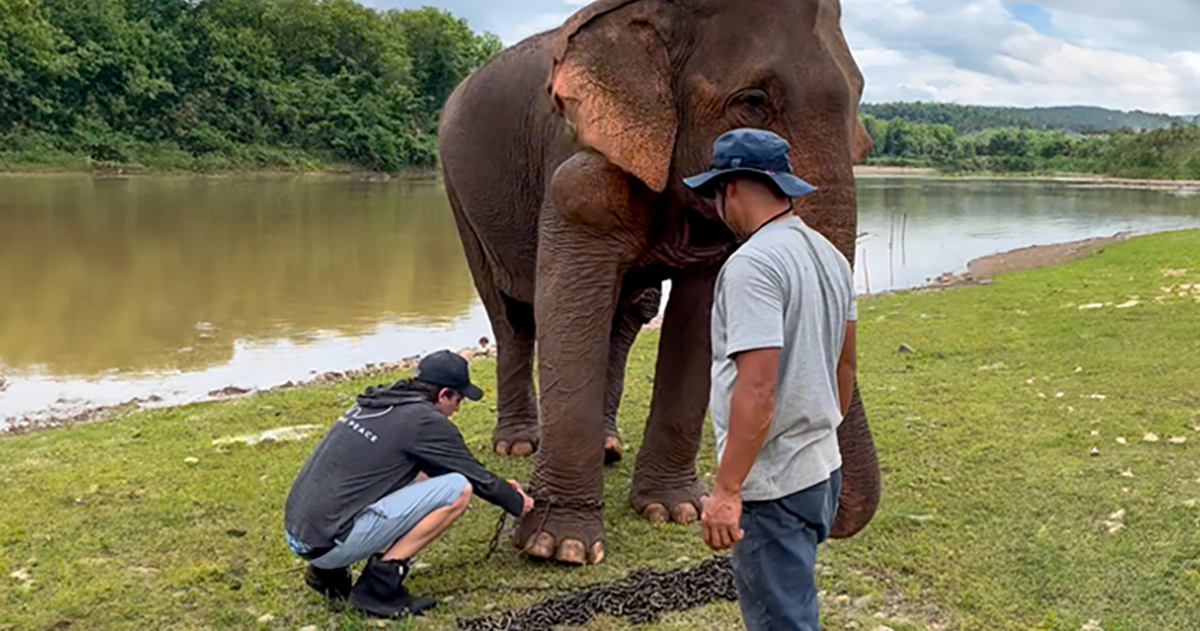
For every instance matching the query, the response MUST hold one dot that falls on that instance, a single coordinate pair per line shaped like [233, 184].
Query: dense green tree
[1169, 153]
[443, 50]
[200, 83]
[972, 118]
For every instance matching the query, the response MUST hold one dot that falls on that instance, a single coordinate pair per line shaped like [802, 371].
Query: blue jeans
[773, 563]
[380, 525]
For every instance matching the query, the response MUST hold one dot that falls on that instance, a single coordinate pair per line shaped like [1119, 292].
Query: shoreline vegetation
[1066, 177]
[1079, 140]
[1037, 438]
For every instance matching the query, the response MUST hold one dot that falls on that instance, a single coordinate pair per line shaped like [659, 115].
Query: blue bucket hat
[751, 151]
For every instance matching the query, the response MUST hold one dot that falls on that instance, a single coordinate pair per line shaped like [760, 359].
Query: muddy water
[115, 289]
[173, 287]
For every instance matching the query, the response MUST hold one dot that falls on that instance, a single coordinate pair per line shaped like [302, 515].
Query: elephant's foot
[518, 439]
[612, 450]
[663, 504]
[572, 534]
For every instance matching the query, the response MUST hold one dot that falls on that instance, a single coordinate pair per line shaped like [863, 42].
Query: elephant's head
[650, 84]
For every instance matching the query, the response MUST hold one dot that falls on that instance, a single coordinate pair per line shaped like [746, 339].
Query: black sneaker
[380, 591]
[332, 584]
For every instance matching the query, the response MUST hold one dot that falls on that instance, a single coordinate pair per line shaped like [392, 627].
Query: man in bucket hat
[388, 478]
[782, 377]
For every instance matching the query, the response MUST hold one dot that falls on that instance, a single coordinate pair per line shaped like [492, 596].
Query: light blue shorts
[378, 526]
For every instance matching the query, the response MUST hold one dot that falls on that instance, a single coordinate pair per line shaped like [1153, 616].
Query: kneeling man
[389, 477]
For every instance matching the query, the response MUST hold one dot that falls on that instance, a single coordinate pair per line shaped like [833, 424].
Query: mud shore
[94, 413]
[981, 270]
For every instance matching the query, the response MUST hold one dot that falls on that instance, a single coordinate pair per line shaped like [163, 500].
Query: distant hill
[970, 118]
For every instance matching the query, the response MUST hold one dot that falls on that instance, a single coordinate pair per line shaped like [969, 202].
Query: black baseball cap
[449, 370]
[750, 151]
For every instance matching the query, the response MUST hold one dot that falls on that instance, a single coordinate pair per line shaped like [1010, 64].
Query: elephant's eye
[752, 105]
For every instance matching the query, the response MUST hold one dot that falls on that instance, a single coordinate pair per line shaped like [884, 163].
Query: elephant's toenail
[502, 448]
[598, 552]
[685, 514]
[522, 449]
[656, 513]
[572, 551]
[542, 546]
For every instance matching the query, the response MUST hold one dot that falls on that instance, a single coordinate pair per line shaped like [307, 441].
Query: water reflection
[156, 274]
[111, 290]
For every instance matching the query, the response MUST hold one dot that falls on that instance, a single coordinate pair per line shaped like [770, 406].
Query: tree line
[196, 84]
[972, 118]
[214, 84]
[1171, 153]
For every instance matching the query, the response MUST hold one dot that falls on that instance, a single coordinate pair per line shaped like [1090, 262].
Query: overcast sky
[1122, 54]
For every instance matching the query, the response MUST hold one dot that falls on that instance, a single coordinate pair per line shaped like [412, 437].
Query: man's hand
[528, 500]
[720, 521]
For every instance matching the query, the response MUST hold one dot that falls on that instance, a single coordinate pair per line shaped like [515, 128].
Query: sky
[1120, 54]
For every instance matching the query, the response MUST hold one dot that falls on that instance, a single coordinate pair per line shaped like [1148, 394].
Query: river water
[118, 289]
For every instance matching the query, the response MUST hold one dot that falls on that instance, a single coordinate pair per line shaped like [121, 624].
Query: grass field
[1039, 441]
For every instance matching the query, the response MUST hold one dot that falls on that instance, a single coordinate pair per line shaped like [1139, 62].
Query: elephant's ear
[829, 32]
[863, 143]
[611, 79]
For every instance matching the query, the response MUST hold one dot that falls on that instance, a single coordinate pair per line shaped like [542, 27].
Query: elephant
[563, 159]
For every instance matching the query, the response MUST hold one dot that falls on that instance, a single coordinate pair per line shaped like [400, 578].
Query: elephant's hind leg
[638, 309]
[665, 487]
[516, 431]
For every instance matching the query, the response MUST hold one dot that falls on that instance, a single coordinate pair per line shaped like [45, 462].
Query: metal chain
[640, 598]
[495, 542]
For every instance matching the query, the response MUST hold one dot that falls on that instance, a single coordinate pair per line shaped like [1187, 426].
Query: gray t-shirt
[787, 287]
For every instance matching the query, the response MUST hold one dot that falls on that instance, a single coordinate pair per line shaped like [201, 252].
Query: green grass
[993, 514]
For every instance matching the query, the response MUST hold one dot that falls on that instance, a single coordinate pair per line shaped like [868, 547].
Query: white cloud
[1112, 53]
[533, 26]
[977, 52]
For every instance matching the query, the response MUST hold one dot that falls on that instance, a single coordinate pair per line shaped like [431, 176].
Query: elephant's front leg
[585, 242]
[664, 481]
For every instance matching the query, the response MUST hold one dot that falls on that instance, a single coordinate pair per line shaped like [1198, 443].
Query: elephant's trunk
[833, 211]
[860, 473]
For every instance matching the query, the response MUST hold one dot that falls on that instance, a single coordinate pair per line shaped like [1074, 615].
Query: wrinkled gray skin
[563, 159]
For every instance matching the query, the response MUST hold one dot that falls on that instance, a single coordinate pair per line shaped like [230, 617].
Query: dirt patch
[981, 270]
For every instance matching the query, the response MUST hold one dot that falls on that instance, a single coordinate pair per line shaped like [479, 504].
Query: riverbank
[1037, 438]
[1185, 186]
[316, 169]
[122, 172]
[64, 413]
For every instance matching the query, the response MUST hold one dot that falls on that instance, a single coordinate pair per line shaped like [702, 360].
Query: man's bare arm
[751, 408]
[847, 365]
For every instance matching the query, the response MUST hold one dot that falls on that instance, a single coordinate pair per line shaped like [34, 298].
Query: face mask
[720, 202]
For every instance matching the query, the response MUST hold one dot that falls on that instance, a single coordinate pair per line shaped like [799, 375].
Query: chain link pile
[640, 598]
